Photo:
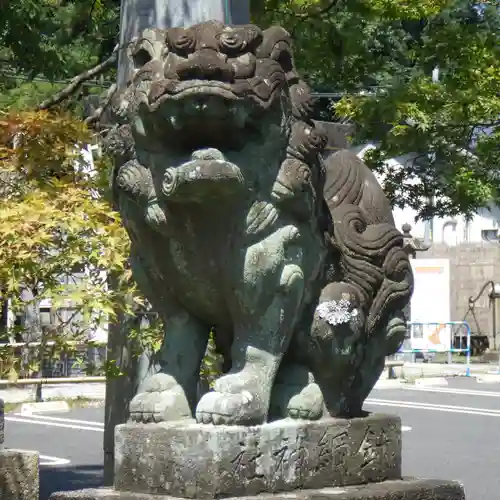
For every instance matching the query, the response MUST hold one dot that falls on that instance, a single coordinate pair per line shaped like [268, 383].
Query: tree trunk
[32, 332]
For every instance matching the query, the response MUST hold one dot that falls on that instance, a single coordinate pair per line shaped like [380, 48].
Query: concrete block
[44, 407]
[19, 479]
[406, 489]
[204, 461]
[94, 391]
[15, 395]
[488, 378]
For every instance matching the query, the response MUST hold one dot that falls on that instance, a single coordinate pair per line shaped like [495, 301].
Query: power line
[16, 76]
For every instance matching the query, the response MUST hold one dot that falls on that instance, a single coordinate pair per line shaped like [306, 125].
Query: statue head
[212, 85]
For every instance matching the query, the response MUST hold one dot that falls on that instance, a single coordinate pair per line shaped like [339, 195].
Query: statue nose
[206, 64]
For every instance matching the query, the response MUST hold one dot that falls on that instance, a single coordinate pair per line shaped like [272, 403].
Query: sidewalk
[412, 371]
[26, 394]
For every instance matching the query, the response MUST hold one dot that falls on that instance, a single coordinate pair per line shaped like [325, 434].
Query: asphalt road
[450, 433]
[70, 447]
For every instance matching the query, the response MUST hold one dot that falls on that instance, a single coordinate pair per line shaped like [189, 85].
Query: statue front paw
[238, 399]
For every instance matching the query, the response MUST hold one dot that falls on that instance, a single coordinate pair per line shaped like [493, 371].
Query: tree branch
[96, 116]
[318, 13]
[312, 15]
[75, 83]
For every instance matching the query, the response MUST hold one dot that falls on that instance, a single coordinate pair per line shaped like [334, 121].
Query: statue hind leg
[171, 394]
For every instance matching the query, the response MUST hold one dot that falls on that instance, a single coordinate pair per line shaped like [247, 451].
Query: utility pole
[136, 16]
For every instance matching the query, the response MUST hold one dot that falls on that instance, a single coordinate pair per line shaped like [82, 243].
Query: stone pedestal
[342, 459]
[19, 477]
[204, 461]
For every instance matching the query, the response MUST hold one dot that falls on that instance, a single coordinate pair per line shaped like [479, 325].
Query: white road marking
[61, 419]
[47, 459]
[40, 421]
[405, 428]
[433, 407]
[465, 392]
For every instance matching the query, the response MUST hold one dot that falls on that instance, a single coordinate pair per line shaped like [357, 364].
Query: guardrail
[53, 381]
[429, 333]
[59, 369]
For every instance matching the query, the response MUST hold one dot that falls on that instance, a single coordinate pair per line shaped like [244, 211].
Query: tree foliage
[450, 126]
[53, 40]
[57, 38]
[59, 236]
[345, 45]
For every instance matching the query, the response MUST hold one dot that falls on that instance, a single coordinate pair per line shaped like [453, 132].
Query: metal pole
[52, 381]
[450, 352]
[467, 369]
[494, 319]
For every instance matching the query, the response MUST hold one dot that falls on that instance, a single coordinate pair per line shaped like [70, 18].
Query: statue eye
[236, 41]
[231, 42]
[181, 41]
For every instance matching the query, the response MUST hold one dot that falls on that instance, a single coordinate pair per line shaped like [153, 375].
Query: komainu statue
[241, 223]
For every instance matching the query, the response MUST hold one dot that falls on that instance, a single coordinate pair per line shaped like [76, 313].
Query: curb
[386, 383]
[489, 378]
[47, 406]
[431, 382]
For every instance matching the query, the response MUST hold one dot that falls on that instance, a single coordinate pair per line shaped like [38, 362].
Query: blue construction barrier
[448, 349]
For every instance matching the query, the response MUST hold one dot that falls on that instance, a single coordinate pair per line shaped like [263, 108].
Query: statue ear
[302, 101]
[277, 45]
[149, 46]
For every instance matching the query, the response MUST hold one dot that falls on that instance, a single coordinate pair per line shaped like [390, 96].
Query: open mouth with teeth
[205, 114]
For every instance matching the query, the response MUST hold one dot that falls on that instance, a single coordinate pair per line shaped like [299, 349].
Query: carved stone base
[407, 489]
[19, 476]
[203, 461]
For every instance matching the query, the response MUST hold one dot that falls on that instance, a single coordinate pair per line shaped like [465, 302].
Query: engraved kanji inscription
[245, 465]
